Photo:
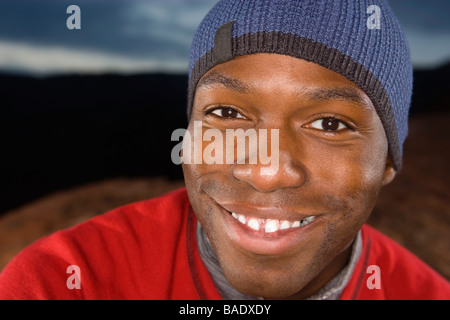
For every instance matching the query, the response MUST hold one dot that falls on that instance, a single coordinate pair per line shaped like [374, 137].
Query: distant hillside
[90, 93]
[431, 90]
[59, 132]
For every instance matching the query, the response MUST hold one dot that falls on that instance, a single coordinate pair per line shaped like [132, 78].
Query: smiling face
[285, 233]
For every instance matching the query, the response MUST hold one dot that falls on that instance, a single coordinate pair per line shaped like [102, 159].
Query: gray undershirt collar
[331, 291]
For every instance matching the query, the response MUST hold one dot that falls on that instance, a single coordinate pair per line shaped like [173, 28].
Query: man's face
[332, 164]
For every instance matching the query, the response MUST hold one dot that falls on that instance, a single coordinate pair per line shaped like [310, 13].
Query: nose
[283, 171]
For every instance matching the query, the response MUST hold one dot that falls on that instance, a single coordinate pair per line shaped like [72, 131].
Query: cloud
[429, 49]
[429, 16]
[427, 28]
[155, 35]
[167, 27]
[45, 60]
[115, 35]
[174, 23]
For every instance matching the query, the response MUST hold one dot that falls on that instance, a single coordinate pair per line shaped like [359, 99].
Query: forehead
[277, 74]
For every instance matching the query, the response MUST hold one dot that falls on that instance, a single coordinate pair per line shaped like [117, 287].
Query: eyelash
[342, 125]
[222, 108]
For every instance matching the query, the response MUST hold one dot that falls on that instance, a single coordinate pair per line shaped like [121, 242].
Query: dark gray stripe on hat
[223, 51]
[309, 50]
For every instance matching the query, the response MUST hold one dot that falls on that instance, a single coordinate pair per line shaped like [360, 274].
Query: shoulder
[386, 270]
[103, 248]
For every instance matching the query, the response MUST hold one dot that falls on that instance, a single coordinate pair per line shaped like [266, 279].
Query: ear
[389, 172]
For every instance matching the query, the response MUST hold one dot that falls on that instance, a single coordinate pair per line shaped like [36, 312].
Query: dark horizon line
[31, 75]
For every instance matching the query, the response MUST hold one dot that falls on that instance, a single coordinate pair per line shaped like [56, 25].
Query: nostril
[268, 178]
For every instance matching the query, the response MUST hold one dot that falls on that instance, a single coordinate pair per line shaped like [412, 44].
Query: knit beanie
[359, 39]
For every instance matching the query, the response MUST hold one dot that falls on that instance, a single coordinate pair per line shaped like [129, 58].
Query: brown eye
[328, 124]
[226, 112]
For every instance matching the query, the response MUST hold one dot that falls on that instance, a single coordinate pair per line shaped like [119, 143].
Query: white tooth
[253, 223]
[285, 225]
[241, 219]
[295, 224]
[234, 215]
[271, 226]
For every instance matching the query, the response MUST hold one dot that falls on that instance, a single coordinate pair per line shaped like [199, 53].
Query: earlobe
[389, 172]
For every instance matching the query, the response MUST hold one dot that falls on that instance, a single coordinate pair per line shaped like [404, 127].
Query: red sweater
[147, 250]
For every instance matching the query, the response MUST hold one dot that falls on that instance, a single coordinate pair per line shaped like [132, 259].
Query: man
[332, 81]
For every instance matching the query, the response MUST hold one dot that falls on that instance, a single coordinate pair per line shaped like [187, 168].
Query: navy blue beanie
[359, 39]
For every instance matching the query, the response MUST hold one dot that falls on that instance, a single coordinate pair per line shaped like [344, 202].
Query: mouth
[270, 226]
[266, 231]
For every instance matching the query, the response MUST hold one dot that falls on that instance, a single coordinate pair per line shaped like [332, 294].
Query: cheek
[353, 173]
[207, 167]
[199, 174]
[202, 180]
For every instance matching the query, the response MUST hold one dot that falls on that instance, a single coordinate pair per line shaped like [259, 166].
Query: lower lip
[276, 243]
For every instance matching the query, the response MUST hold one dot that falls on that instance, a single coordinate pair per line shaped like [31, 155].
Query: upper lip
[264, 212]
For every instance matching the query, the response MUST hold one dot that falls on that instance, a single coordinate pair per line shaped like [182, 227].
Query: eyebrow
[215, 78]
[338, 93]
[319, 94]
